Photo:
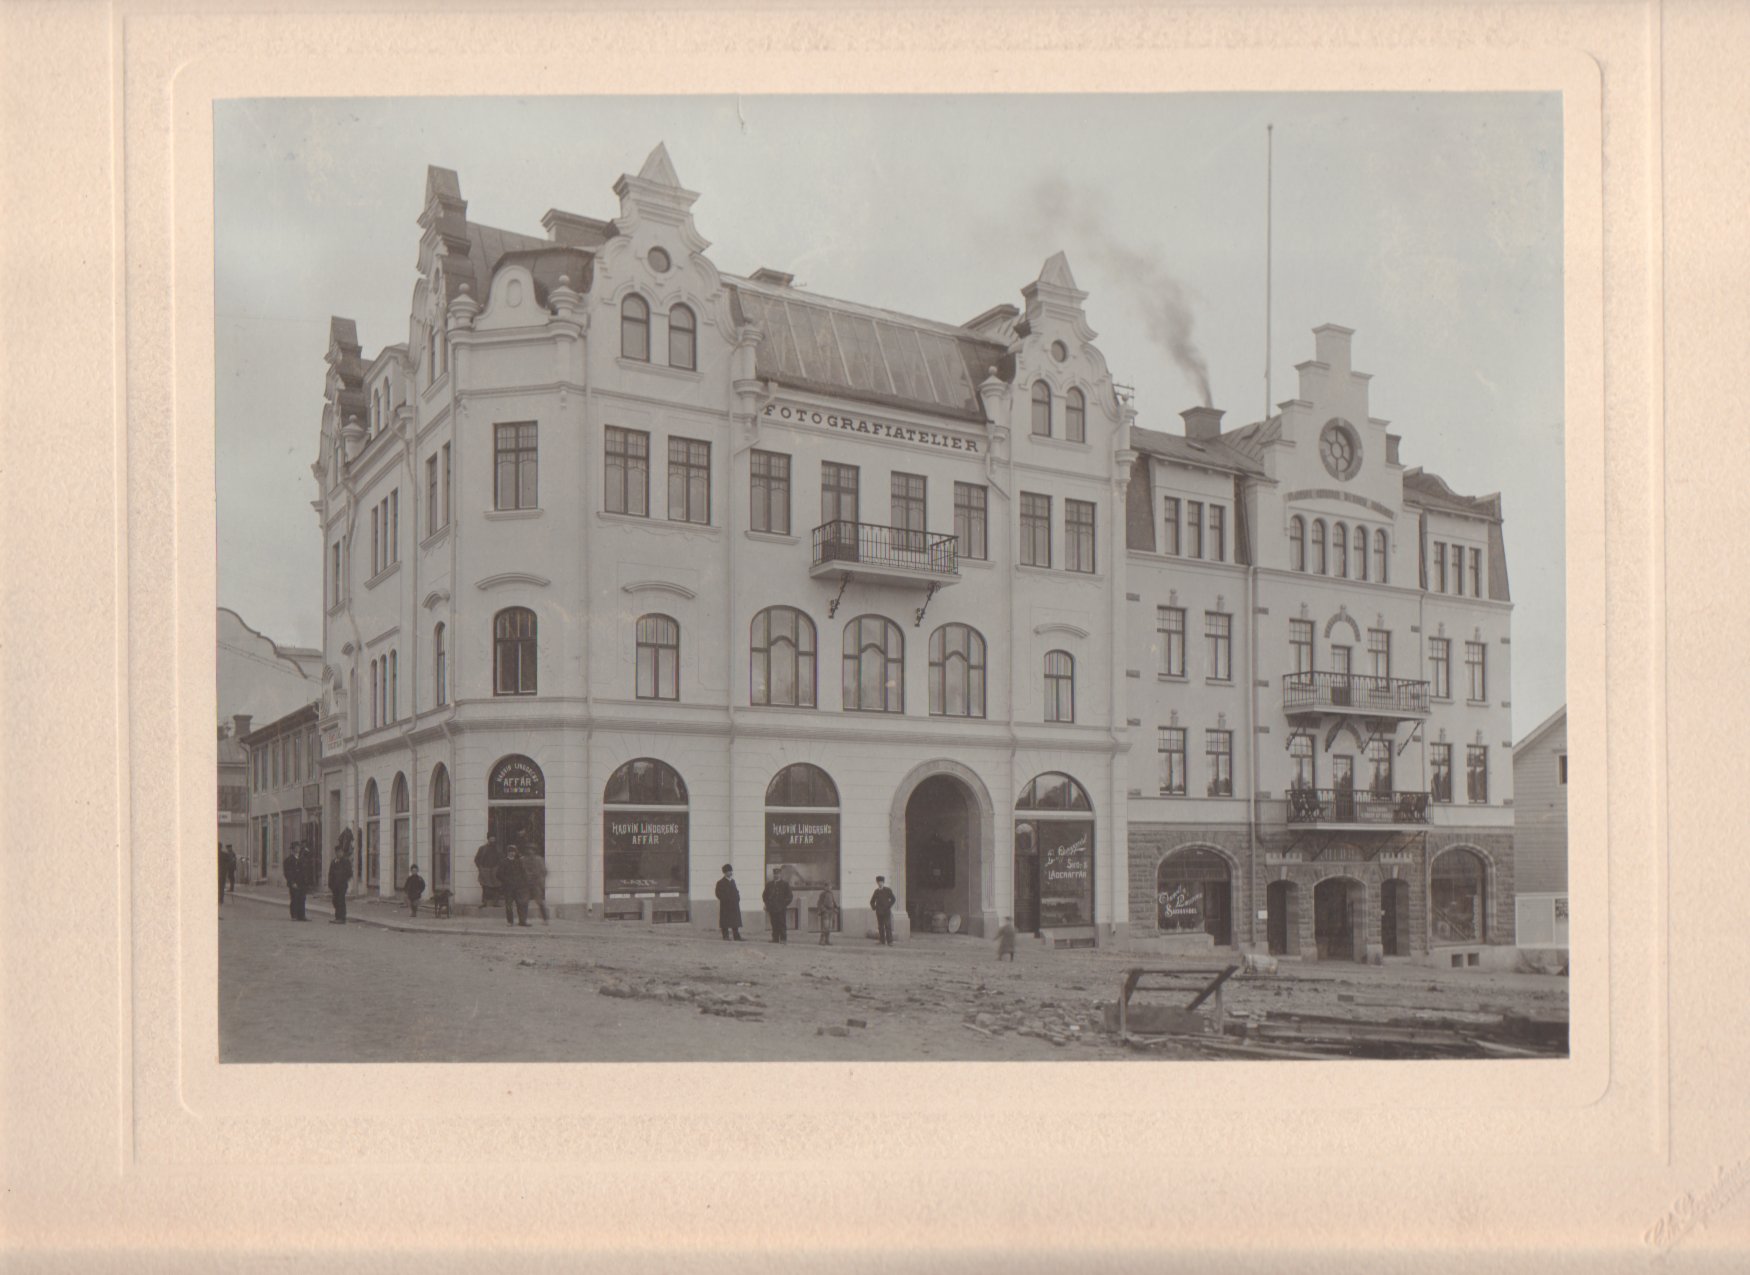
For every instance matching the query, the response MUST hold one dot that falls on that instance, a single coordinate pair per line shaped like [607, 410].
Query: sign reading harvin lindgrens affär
[875, 428]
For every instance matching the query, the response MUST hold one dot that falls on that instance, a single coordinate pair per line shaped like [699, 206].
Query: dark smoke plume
[1161, 297]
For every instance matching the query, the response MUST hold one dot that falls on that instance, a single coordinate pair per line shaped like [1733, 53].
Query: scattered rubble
[718, 1004]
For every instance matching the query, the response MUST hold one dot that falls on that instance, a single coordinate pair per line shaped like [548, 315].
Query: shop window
[683, 339]
[1459, 897]
[874, 666]
[802, 835]
[1193, 893]
[644, 831]
[635, 329]
[782, 667]
[513, 652]
[1060, 686]
[658, 657]
[957, 672]
[1054, 854]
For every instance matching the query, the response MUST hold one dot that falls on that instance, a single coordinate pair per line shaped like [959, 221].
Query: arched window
[635, 328]
[956, 672]
[1381, 558]
[781, 661]
[1340, 549]
[440, 667]
[802, 784]
[683, 338]
[1297, 543]
[513, 652]
[1318, 538]
[403, 831]
[1060, 686]
[874, 666]
[1193, 890]
[1041, 409]
[1054, 855]
[1053, 791]
[373, 833]
[645, 782]
[1361, 553]
[1075, 417]
[1458, 883]
[440, 827]
[659, 658]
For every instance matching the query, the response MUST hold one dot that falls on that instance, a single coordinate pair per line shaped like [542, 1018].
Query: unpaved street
[358, 993]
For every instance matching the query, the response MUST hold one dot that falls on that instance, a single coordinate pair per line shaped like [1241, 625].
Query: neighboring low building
[234, 792]
[1540, 832]
[284, 765]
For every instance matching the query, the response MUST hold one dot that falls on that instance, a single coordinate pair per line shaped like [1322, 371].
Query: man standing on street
[729, 904]
[339, 877]
[826, 911]
[514, 882]
[486, 861]
[297, 880]
[230, 869]
[882, 901]
[777, 898]
[535, 873]
[221, 876]
[414, 887]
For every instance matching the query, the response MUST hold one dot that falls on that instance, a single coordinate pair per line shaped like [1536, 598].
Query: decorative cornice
[1060, 628]
[658, 586]
[512, 577]
[436, 596]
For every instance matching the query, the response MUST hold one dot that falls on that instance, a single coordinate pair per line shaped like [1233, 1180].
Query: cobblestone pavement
[474, 990]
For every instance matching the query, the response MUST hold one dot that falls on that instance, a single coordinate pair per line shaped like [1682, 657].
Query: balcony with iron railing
[893, 553]
[1354, 693]
[1356, 808]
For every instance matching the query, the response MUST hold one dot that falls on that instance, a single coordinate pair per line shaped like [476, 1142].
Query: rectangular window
[376, 538]
[1439, 566]
[1218, 750]
[970, 507]
[1440, 772]
[1172, 761]
[393, 699]
[628, 472]
[1170, 624]
[1300, 647]
[770, 492]
[906, 494]
[1035, 530]
[1561, 768]
[839, 492]
[446, 492]
[431, 494]
[689, 480]
[514, 457]
[394, 525]
[1217, 533]
[1379, 755]
[1440, 667]
[1458, 569]
[1379, 652]
[1193, 528]
[1476, 671]
[1304, 773]
[1476, 573]
[1078, 535]
[1218, 630]
[1170, 538]
[334, 575]
[1476, 773]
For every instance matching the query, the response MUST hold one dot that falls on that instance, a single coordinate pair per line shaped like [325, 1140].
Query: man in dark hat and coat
[297, 880]
[486, 861]
[339, 877]
[729, 904]
[882, 901]
[514, 882]
[777, 898]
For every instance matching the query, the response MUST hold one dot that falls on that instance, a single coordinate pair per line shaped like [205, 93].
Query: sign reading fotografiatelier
[869, 425]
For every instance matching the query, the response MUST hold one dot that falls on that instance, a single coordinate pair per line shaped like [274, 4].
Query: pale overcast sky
[1429, 223]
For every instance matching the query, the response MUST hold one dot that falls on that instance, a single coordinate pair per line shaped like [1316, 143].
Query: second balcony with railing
[1354, 693]
[895, 553]
[1352, 807]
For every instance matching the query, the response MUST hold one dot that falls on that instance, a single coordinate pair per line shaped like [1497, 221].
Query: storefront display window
[644, 831]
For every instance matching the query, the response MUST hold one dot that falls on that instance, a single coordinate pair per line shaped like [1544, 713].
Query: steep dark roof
[837, 347]
[1431, 492]
[303, 716]
[1214, 453]
[547, 263]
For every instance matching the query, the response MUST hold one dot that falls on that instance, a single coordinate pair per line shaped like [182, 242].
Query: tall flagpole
[1269, 180]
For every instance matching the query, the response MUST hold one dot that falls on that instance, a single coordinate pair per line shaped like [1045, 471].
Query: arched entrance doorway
[1458, 899]
[1194, 891]
[1339, 919]
[941, 867]
[516, 805]
[802, 837]
[1282, 918]
[645, 840]
[1054, 855]
[1394, 916]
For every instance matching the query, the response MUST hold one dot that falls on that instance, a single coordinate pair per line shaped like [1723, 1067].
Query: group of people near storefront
[779, 894]
[514, 877]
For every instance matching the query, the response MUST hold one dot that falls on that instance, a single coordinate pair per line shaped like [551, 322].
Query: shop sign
[1181, 906]
[855, 424]
[805, 848]
[1066, 873]
[516, 779]
[644, 852]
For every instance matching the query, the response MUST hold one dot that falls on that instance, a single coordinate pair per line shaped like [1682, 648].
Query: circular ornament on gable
[1340, 449]
[1059, 351]
[657, 260]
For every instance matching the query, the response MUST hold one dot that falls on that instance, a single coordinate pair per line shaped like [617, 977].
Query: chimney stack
[1202, 423]
[240, 726]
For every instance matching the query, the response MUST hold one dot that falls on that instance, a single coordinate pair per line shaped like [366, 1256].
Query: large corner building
[651, 568]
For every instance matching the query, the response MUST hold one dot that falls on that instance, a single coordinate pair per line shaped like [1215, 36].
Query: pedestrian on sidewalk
[513, 882]
[535, 871]
[1006, 939]
[339, 877]
[777, 896]
[882, 901]
[230, 868]
[415, 888]
[729, 904]
[297, 880]
[826, 911]
[486, 863]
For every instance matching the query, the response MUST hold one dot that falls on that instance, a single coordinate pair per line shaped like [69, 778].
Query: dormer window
[635, 329]
[1041, 410]
[1075, 417]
